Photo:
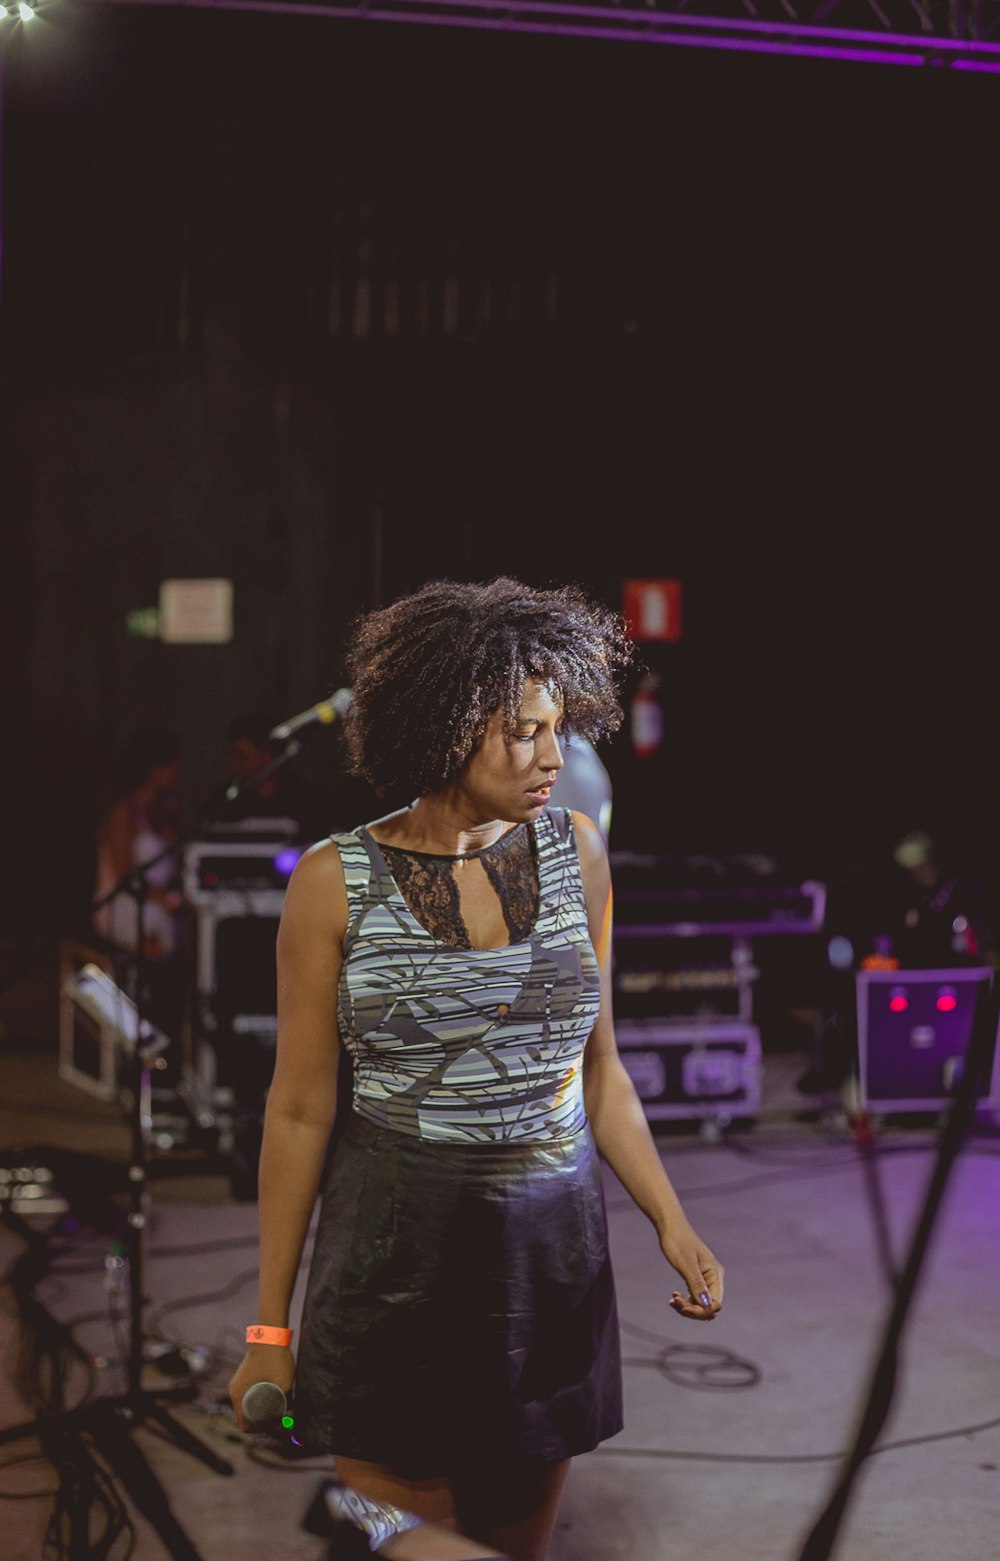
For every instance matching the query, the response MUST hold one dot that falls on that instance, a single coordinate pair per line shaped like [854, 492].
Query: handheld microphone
[271, 1419]
[264, 1403]
[326, 712]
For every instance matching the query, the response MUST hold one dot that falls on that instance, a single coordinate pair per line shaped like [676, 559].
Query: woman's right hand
[261, 1363]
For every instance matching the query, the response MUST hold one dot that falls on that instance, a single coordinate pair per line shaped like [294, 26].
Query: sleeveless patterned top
[467, 1045]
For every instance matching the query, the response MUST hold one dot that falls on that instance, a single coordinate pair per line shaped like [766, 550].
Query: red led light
[899, 1004]
[947, 1003]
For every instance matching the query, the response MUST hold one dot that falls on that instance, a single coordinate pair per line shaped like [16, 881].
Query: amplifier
[693, 897]
[232, 885]
[239, 878]
[914, 1028]
[237, 889]
[701, 1072]
[679, 981]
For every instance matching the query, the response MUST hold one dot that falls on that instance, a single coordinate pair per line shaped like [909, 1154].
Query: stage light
[285, 860]
[947, 1001]
[25, 11]
[899, 1002]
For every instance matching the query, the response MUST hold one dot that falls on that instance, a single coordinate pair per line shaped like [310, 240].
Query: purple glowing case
[914, 1028]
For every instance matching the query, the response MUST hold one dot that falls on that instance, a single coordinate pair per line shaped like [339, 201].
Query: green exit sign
[143, 623]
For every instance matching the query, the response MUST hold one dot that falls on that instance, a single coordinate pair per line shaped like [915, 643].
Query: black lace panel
[512, 868]
[427, 884]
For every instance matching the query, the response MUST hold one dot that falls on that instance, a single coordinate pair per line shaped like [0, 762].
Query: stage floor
[732, 1429]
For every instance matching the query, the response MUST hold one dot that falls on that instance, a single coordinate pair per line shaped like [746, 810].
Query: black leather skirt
[460, 1310]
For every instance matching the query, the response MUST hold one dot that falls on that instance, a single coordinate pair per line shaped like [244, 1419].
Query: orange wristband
[258, 1333]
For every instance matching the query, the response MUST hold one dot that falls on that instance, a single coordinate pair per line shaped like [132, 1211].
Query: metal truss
[950, 35]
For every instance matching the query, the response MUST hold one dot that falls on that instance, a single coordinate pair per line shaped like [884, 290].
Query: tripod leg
[185, 1439]
[114, 1438]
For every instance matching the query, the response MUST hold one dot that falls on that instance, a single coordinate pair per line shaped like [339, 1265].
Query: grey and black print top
[451, 1043]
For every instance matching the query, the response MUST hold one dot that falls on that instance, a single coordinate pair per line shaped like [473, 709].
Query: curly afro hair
[428, 671]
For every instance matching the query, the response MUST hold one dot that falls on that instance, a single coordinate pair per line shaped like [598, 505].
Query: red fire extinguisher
[646, 717]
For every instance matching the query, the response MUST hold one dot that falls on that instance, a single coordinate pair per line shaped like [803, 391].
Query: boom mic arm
[325, 713]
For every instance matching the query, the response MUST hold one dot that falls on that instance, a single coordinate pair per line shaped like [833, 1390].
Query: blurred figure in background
[584, 783]
[140, 826]
[919, 911]
[943, 922]
[281, 802]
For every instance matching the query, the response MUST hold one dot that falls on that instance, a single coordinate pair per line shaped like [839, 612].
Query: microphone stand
[293, 745]
[111, 1421]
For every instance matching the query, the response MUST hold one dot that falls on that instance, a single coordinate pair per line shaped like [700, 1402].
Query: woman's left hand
[700, 1270]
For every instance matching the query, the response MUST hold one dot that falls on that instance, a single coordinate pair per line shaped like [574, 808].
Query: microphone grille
[264, 1401]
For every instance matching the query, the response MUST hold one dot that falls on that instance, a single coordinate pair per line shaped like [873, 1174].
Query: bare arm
[302, 1100]
[618, 1121]
[117, 833]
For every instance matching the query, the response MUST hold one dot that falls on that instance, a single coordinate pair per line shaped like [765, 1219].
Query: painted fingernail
[704, 1299]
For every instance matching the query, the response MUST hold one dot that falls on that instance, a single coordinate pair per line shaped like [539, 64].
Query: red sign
[653, 609]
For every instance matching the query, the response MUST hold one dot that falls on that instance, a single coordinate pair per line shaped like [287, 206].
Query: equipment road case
[914, 1029]
[707, 1072]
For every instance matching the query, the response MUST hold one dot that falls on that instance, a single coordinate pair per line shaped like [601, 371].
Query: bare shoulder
[592, 851]
[317, 892]
[590, 841]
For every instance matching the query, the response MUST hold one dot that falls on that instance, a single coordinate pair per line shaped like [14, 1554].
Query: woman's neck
[444, 825]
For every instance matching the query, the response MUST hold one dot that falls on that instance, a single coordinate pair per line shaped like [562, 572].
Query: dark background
[742, 330]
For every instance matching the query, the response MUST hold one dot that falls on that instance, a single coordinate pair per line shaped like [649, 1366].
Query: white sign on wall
[196, 612]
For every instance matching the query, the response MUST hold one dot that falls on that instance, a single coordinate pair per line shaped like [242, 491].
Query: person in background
[913, 913]
[281, 802]
[140, 826]
[942, 922]
[459, 1332]
[584, 783]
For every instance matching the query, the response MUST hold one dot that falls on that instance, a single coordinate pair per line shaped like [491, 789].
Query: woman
[460, 1339]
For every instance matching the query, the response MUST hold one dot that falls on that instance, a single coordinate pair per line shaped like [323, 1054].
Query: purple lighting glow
[571, 19]
[285, 861]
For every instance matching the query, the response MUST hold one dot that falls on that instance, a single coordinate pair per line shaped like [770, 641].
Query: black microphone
[325, 712]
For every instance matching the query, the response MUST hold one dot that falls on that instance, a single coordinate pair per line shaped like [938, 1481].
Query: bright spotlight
[25, 11]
